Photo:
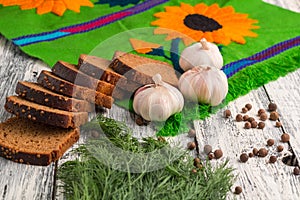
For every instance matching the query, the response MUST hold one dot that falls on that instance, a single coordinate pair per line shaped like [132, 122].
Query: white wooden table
[258, 178]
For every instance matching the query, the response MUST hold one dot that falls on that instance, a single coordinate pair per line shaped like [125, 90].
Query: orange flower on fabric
[215, 24]
[45, 6]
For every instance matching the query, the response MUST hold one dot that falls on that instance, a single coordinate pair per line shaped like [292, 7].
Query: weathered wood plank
[258, 178]
[285, 92]
[20, 181]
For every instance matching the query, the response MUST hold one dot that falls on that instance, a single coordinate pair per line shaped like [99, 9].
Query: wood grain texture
[258, 178]
[20, 181]
[285, 92]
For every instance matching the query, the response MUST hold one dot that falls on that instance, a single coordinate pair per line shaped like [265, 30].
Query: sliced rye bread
[141, 69]
[98, 67]
[72, 74]
[44, 114]
[48, 80]
[38, 94]
[28, 142]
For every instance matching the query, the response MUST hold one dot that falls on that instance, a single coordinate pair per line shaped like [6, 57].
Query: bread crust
[36, 93]
[43, 114]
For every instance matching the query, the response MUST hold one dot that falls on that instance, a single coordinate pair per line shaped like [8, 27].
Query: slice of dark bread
[28, 142]
[38, 94]
[72, 74]
[44, 114]
[141, 69]
[48, 80]
[99, 68]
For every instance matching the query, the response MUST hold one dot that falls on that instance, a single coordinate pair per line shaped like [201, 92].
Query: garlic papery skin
[202, 53]
[158, 101]
[204, 85]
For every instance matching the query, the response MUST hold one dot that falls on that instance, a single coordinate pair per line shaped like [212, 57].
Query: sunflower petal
[31, 5]
[187, 8]
[45, 7]
[200, 8]
[59, 7]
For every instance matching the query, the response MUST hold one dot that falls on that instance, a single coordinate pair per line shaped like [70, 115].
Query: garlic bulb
[204, 84]
[202, 53]
[158, 101]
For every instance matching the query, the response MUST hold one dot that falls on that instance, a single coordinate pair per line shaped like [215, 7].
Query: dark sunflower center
[201, 23]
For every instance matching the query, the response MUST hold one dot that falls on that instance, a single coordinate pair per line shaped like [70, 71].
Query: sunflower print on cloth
[192, 23]
[57, 7]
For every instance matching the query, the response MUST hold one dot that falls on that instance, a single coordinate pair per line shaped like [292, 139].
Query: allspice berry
[254, 124]
[211, 156]
[296, 171]
[274, 116]
[255, 151]
[262, 152]
[238, 190]
[197, 161]
[227, 113]
[270, 142]
[260, 111]
[207, 149]
[239, 117]
[244, 157]
[251, 119]
[248, 106]
[194, 171]
[250, 155]
[278, 124]
[285, 137]
[244, 110]
[247, 125]
[272, 159]
[218, 153]
[191, 145]
[245, 117]
[280, 148]
[263, 116]
[272, 107]
[261, 125]
[192, 133]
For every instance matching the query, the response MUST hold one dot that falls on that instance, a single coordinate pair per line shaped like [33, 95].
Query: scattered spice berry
[285, 137]
[227, 113]
[278, 124]
[218, 153]
[250, 155]
[239, 118]
[191, 145]
[263, 116]
[197, 161]
[272, 159]
[274, 116]
[245, 117]
[211, 156]
[272, 107]
[247, 125]
[238, 190]
[260, 111]
[194, 171]
[244, 157]
[262, 152]
[270, 142]
[296, 171]
[255, 151]
[261, 125]
[253, 124]
[192, 133]
[280, 148]
[244, 110]
[251, 119]
[139, 121]
[248, 106]
[207, 149]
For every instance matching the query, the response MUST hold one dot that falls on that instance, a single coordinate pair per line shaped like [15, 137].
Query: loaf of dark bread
[141, 69]
[38, 94]
[72, 74]
[28, 142]
[49, 80]
[44, 114]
